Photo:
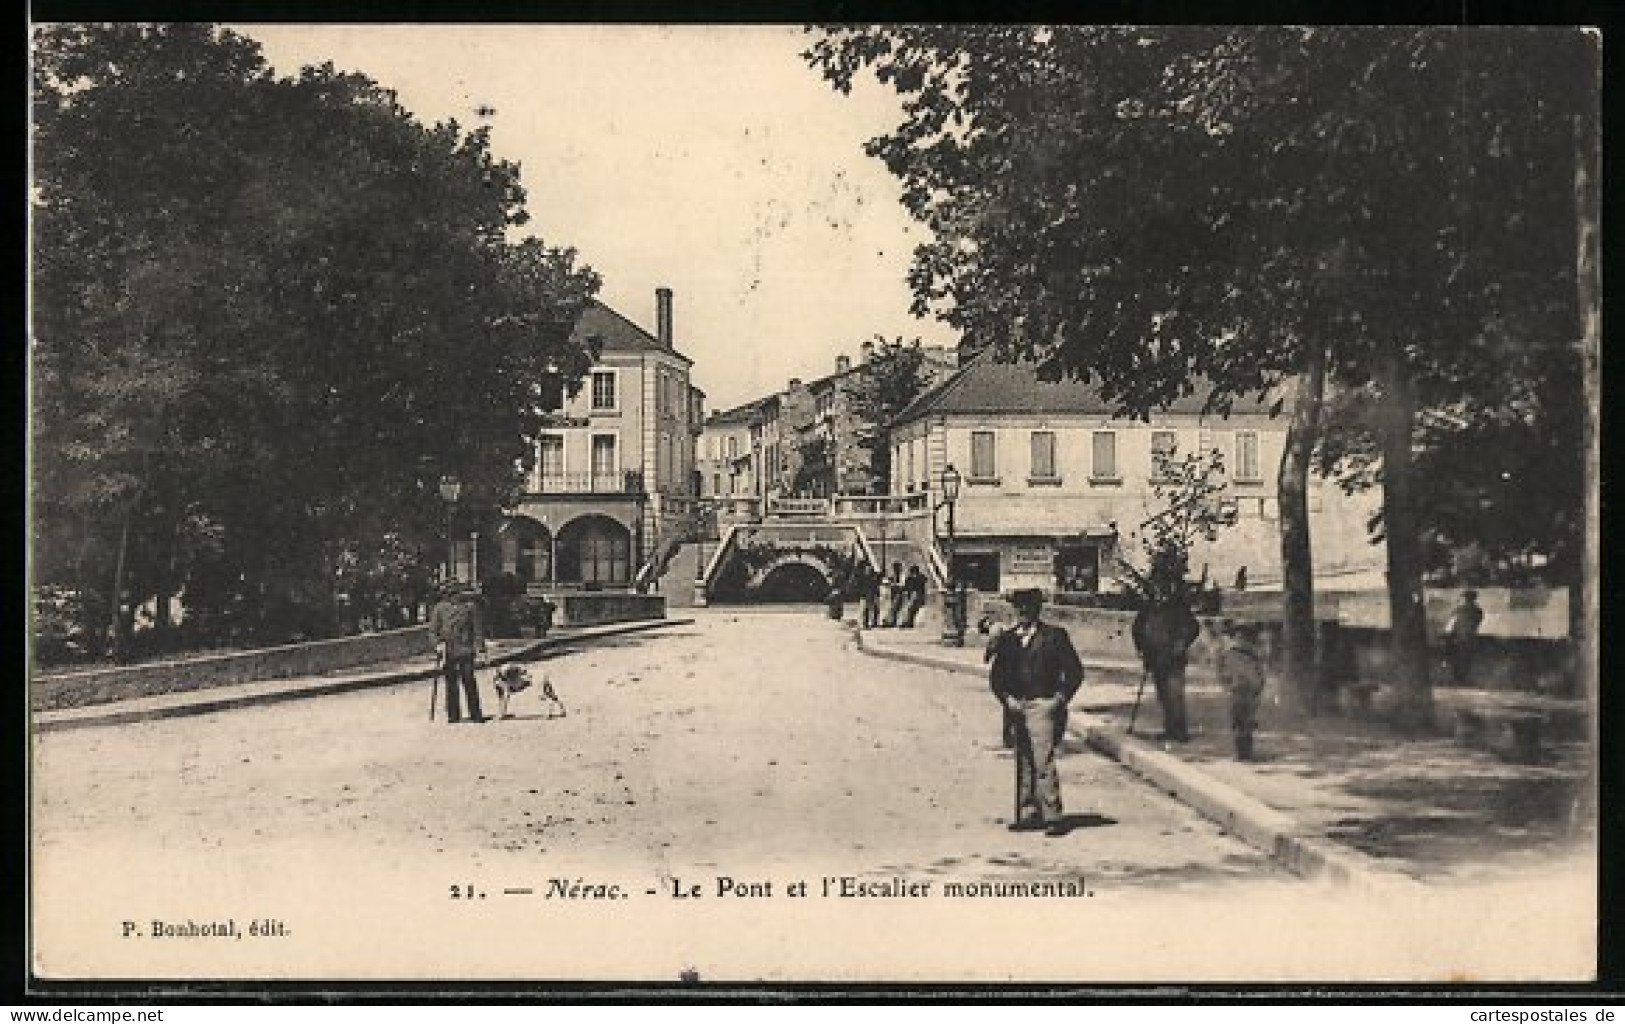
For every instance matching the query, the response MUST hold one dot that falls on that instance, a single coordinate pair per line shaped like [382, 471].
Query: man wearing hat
[1034, 675]
[459, 634]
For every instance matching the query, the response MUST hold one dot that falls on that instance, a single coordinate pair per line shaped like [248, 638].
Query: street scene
[1120, 486]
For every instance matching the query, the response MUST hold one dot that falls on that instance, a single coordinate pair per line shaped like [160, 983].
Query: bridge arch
[795, 576]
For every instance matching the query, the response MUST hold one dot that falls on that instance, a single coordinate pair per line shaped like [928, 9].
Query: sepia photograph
[717, 506]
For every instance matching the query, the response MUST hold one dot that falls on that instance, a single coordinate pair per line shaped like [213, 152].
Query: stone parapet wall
[596, 608]
[292, 660]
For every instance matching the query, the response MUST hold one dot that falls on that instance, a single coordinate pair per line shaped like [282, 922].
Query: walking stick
[1132, 715]
[434, 686]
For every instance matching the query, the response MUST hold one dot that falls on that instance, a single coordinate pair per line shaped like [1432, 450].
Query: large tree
[1236, 209]
[876, 392]
[268, 314]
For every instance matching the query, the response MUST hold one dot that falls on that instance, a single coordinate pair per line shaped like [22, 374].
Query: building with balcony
[615, 466]
[1056, 488]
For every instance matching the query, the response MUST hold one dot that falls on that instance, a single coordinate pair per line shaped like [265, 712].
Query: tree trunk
[1588, 614]
[120, 621]
[1300, 652]
[166, 587]
[1407, 614]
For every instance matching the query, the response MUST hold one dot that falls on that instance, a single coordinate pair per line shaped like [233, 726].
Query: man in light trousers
[1035, 673]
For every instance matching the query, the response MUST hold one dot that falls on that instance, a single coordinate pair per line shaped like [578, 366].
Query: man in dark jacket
[1035, 673]
[1163, 632]
[869, 589]
[459, 633]
[914, 595]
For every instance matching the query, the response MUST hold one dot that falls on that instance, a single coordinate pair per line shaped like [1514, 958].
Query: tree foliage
[268, 314]
[1167, 209]
[1188, 490]
[876, 392]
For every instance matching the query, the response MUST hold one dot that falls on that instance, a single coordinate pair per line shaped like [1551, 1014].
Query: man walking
[459, 634]
[1035, 673]
[1163, 632]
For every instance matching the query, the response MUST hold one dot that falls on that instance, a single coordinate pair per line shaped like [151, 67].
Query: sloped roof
[986, 386]
[738, 414]
[617, 333]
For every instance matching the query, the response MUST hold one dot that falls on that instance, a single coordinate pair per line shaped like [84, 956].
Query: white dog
[512, 679]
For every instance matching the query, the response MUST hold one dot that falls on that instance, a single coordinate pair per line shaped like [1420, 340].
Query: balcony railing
[619, 482]
[881, 504]
[797, 507]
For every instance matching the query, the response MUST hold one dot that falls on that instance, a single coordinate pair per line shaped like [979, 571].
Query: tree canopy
[268, 314]
[1162, 209]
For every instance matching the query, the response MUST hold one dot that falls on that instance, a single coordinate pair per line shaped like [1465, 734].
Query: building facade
[846, 432]
[614, 464]
[1055, 489]
[727, 464]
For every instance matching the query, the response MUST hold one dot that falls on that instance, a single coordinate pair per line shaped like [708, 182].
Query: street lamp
[953, 597]
[451, 489]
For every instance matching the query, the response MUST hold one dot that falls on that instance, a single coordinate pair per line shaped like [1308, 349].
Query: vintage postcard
[753, 505]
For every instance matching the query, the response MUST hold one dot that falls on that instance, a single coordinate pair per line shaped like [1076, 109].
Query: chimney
[868, 351]
[794, 385]
[663, 317]
[842, 364]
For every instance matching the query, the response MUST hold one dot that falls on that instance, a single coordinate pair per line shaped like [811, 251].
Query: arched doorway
[595, 551]
[527, 550]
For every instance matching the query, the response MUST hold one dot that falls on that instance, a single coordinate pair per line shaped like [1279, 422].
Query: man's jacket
[1047, 666]
[1163, 633]
[457, 625]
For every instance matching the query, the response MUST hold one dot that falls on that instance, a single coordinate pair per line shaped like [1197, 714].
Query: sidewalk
[1333, 797]
[224, 698]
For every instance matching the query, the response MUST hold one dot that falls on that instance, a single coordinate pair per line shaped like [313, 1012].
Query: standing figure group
[902, 595]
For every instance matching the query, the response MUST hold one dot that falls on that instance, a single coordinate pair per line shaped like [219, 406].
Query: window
[603, 462]
[1247, 456]
[983, 464]
[716, 483]
[550, 455]
[1164, 443]
[908, 472]
[1043, 456]
[733, 447]
[603, 389]
[1104, 467]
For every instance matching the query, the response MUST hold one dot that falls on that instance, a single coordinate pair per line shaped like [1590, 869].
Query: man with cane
[1035, 673]
[459, 636]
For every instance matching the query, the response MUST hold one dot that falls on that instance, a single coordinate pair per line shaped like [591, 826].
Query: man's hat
[1027, 597]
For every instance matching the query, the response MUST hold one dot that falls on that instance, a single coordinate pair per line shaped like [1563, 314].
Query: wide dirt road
[742, 755]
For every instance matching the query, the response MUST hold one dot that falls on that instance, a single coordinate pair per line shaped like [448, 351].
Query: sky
[708, 159]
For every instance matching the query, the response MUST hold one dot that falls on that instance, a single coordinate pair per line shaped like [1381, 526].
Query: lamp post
[953, 597]
[451, 489]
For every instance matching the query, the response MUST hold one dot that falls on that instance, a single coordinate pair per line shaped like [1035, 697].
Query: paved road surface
[750, 751]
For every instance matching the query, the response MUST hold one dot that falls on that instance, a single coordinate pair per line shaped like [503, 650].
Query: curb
[273, 691]
[1260, 826]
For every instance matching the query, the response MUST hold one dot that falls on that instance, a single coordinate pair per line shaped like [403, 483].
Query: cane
[1132, 715]
[434, 685]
